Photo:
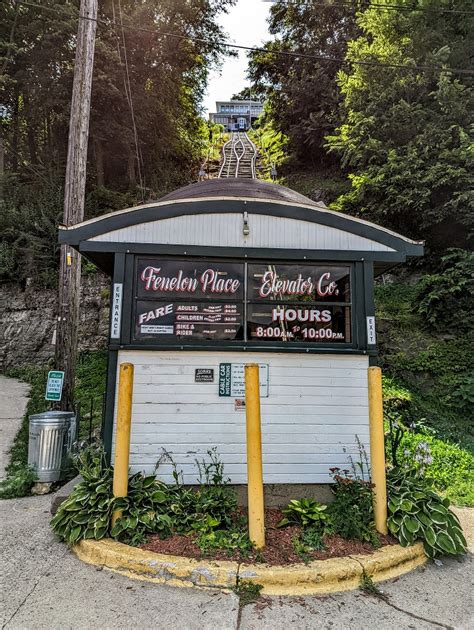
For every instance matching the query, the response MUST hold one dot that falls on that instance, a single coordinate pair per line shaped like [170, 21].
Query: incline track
[239, 156]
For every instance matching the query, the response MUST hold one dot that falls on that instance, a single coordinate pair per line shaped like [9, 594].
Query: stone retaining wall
[28, 317]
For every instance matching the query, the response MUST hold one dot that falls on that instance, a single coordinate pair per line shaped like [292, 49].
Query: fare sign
[186, 301]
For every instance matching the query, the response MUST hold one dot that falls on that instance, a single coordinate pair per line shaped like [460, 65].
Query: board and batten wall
[317, 405]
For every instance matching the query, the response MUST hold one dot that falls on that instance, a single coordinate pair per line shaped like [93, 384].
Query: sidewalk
[46, 586]
[13, 401]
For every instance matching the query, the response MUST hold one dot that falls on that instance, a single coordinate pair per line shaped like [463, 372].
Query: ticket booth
[226, 272]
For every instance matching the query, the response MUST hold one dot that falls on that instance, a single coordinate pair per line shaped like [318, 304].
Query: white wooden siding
[225, 230]
[316, 406]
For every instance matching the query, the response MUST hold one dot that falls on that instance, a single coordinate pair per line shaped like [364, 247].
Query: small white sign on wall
[371, 338]
[232, 380]
[116, 315]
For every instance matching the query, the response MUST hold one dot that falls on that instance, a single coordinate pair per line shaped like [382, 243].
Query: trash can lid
[53, 415]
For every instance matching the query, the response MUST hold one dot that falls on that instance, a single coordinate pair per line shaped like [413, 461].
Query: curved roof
[233, 187]
[205, 219]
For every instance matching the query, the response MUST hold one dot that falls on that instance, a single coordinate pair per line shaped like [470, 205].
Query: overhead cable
[286, 53]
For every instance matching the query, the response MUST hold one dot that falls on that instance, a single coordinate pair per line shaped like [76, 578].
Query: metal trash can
[49, 437]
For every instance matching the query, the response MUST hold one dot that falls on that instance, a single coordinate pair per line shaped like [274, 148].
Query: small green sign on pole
[54, 386]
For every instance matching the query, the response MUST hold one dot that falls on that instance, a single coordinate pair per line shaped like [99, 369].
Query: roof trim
[227, 205]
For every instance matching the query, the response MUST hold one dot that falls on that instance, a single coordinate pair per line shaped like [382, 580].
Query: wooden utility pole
[74, 192]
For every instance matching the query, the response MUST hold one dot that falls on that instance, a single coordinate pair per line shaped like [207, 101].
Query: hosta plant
[305, 512]
[144, 510]
[86, 512]
[416, 512]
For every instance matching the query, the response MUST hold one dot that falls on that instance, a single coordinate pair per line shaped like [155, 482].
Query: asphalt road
[46, 586]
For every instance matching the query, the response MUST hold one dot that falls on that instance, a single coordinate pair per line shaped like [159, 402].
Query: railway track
[239, 155]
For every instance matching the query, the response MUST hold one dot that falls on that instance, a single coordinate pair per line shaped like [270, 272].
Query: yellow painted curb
[157, 567]
[317, 577]
[336, 574]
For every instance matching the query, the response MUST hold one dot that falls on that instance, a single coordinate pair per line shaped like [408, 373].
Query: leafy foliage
[87, 511]
[150, 507]
[405, 134]
[302, 92]
[271, 145]
[18, 482]
[309, 540]
[416, 512]
[305, 512]
[450, 467]
[445, 299]
[351, 512]
[428, 373]
[143, 510]
[167, 77]
[227, 540]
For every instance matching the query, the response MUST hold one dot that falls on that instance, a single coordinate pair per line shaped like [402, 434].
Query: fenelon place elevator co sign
[185, 300]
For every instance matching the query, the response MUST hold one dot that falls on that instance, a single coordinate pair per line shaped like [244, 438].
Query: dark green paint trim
[241, 252]
[239, 346]
[359, 309]
[118, 220]
[110, 402]
[118, 277]
[369, 296]
[126, 338]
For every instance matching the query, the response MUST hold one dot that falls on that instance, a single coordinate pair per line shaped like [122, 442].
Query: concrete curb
[317, 577]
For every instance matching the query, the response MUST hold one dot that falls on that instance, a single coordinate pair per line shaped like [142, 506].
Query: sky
[244, 24]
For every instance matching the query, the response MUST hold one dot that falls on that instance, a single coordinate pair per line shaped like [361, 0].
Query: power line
[372, 5]
[286, 53]
[128, 92]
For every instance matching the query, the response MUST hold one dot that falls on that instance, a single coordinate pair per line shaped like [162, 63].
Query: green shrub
[150, 507]
[351, 512]
[87, 511]
[18, 483]
[143, 510]
[449, 466]
[445, 299]
[304, 512]
[416, 512]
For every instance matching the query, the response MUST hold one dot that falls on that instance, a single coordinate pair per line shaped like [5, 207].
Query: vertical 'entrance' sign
[116, 315]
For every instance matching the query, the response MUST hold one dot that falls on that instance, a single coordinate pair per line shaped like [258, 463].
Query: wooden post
[74, 192]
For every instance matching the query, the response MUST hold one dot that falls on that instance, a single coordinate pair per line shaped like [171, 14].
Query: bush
[149, 507]
[416, 512]
[87, 511]
[351, 512]
[445, 299]
[449, 466]
[18, 483]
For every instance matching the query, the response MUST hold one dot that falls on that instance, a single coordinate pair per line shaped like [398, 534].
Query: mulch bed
[278, 545]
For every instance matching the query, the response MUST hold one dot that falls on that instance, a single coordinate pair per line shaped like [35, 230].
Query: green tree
[302, 93]
[156, 65]
[405, 133]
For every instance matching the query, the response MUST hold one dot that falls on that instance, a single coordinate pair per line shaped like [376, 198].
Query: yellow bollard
[377, 449]
[254, 457]
[122, 439]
